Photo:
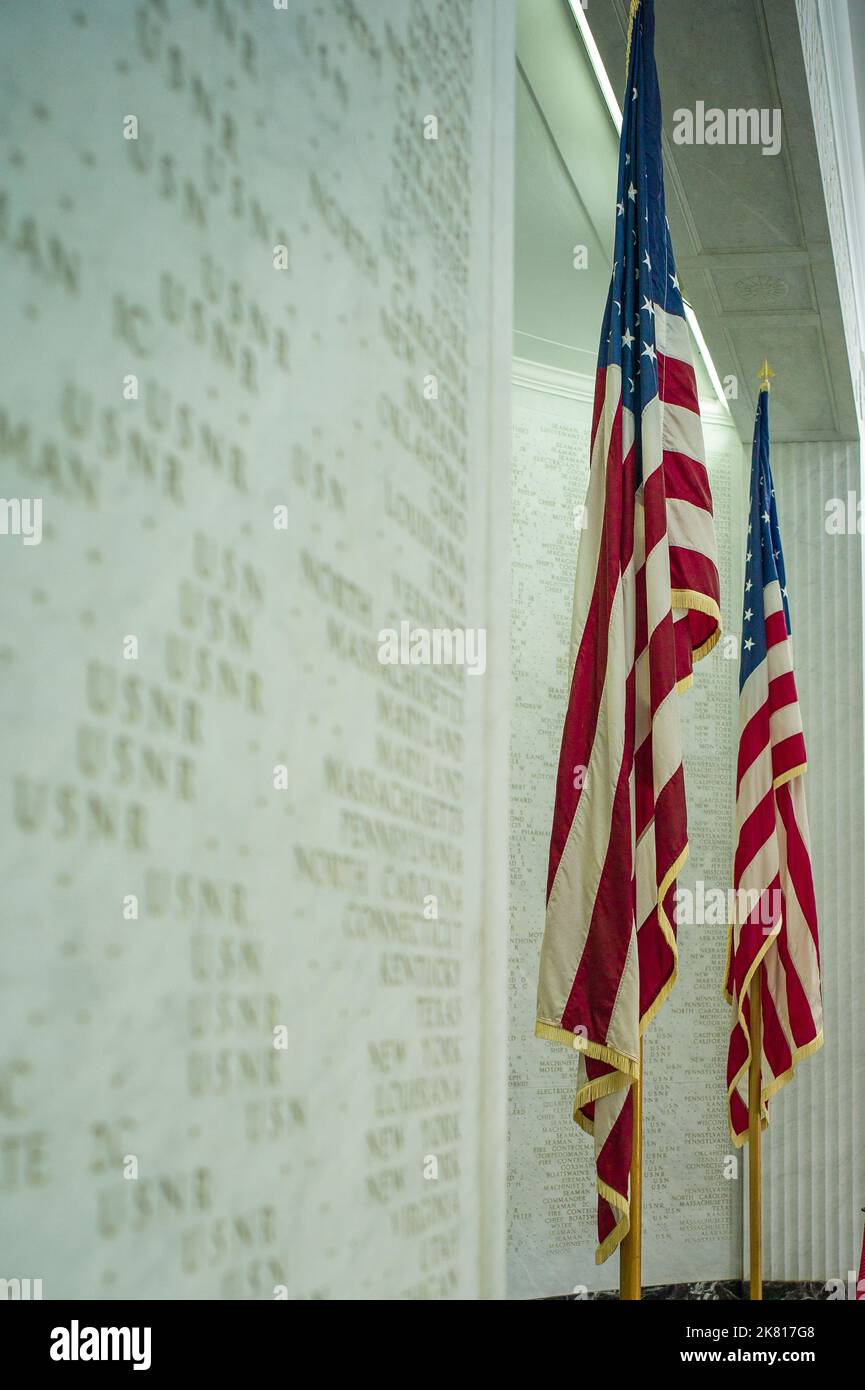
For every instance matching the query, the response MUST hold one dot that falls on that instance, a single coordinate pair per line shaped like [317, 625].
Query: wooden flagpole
[755, 1127]
[631, 1248]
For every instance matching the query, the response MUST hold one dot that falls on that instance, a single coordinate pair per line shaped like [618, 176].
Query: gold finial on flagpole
[764, 374]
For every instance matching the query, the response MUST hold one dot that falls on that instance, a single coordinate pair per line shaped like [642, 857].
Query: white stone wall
[155, 1142]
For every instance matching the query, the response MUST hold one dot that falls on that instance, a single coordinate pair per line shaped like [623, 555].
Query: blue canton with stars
[764, 558]
[644, 271]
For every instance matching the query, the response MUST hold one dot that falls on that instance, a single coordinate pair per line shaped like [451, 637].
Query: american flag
[776, 916]
[646, 606]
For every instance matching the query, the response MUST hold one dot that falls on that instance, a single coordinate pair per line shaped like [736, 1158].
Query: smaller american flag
[776, 918]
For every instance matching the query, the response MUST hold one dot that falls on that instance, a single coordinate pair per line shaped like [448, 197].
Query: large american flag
[645, 608]
[776, 916]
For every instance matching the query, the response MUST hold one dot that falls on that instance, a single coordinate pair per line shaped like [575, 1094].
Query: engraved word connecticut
[437, 646]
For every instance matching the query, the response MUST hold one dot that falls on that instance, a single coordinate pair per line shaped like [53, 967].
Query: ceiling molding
[756, 237]
[553, 381]
[580, 386]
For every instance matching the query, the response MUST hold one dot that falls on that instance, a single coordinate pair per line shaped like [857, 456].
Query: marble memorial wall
[814, 1175]
[249, 884]
[692, 1212]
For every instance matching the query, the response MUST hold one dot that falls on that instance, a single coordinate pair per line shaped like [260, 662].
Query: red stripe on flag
[691, 569]
[799, 863]
[755, 831]
[802, 1024]
[787, 754]
[782, 691]
[596, 983]
[590, 669]
[754, 738]
[677, 383]
[686, 478]
[776, 628]
[775, 1044]
[614, 1160]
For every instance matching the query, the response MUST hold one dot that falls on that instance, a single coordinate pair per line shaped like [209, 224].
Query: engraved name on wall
[240, 977]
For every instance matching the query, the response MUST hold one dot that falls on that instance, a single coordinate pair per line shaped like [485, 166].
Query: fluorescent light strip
[597, 63]
[706, 356]
[609, 96]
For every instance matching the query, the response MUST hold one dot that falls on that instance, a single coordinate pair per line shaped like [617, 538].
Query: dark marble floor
[716, 1289]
